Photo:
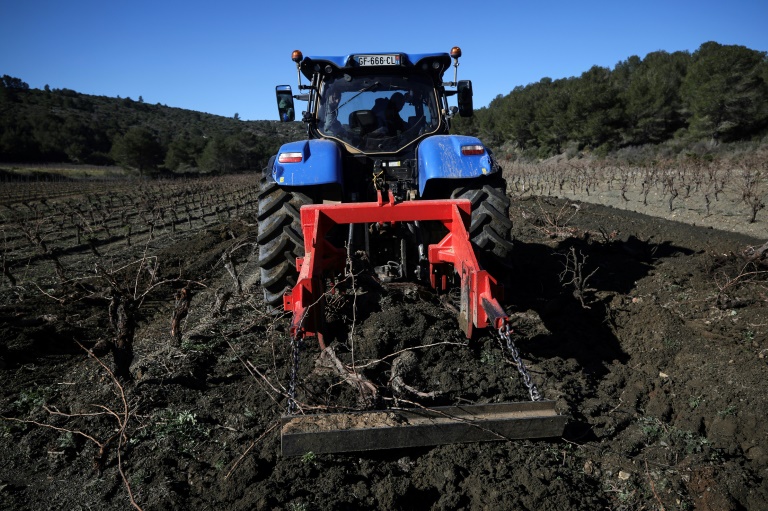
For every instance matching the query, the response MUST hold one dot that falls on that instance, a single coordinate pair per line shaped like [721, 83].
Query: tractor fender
[439, 157]
[320, 164]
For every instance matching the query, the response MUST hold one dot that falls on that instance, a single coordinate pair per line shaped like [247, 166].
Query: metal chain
[506, 336]
[296, 348]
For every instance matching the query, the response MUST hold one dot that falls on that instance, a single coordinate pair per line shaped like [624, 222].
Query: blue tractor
[379, 123]
[381, 182]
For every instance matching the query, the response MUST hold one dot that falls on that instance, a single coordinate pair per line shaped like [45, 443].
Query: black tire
[280, 239]
[490, 227]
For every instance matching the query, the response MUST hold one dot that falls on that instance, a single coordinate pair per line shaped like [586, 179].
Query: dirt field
[652, 335]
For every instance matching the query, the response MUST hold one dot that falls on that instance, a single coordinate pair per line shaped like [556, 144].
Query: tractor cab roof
[433, 63]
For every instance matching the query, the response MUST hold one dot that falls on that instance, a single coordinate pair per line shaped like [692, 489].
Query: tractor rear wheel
[490, 227]
[280, 239]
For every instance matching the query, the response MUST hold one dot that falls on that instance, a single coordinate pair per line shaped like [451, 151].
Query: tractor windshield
[382, 113]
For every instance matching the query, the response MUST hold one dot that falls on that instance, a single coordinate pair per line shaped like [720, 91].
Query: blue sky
[226, 57]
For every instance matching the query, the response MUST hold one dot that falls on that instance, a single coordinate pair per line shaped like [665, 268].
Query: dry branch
[180, 310]
[120, 433]
[574, 267]
[756, 253]
[368, 391]
[401, 367]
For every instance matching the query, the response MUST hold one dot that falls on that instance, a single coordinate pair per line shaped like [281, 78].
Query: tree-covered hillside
[717, 93]
[61, 125]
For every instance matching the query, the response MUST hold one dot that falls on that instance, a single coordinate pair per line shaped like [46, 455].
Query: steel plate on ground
[413, 427]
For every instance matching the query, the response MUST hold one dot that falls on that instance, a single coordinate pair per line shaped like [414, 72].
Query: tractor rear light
[472, 150]
[289, 158]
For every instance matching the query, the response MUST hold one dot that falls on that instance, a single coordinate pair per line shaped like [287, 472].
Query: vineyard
[56, 225]
[139, 366]
[697, 190]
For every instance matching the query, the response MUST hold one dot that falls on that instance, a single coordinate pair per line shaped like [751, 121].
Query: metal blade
[398, 428]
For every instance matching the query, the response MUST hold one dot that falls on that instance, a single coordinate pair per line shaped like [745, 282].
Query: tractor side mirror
[464, 96]
[285, 103]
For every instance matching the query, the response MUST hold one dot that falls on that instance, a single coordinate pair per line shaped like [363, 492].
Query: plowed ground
[650, 334]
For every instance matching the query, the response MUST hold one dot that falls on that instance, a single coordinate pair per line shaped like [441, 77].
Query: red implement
[479, 306]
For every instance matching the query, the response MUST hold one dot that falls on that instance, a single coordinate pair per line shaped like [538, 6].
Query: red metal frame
[478, 307]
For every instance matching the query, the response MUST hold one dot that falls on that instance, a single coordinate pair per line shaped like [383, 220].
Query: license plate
[377, 60]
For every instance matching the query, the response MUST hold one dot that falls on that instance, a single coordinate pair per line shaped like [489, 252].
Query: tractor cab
[376, 110]
[376, 103]
[376, 114]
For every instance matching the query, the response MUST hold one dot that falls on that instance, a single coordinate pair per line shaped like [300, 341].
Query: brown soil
[659, 358]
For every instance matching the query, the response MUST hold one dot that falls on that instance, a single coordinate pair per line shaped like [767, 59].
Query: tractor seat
[364, 120]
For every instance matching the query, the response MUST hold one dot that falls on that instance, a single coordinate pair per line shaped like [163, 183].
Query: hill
[717, 93]
[667, 101]
[64, 126]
